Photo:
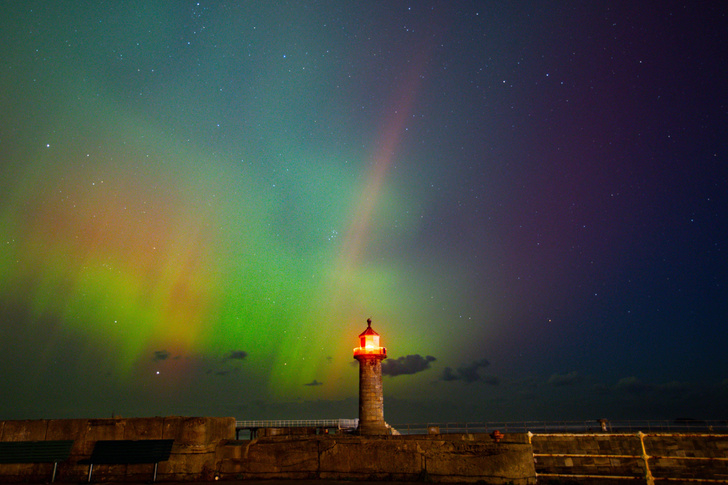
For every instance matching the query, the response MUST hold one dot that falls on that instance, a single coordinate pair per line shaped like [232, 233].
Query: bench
[36, 452]
[129, 452]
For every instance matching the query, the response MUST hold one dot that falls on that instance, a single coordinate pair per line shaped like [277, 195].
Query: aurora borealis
[201, 203]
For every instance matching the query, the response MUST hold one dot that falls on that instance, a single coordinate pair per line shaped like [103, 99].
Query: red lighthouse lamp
[369, 343]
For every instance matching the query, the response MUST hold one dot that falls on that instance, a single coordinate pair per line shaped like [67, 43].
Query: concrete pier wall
[205, 448]
[193, 454]
[443, 458]
[679, 458]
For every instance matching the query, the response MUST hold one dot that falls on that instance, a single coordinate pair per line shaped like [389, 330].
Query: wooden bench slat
[110, 452]
[35, 451]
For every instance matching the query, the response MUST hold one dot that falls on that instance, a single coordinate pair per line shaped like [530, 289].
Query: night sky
[201, 203]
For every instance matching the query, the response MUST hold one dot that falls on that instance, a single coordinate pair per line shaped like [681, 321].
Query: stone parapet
[456, 458]
[204, 449]
[649, 457]
[193, 457]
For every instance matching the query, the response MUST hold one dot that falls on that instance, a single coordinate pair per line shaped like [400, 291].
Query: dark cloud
[672, 389]
[410, 364]
[469, 373]
[601, 388]
[313, 383]
[236, 355]
[631, 385]
[222, 372]
[569, 379]
[449, 375]
[675, 388]
[160, 355]
[492, 380]
[224, 367]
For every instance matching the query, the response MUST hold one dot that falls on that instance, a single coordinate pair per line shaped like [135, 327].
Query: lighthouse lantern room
[369, 342]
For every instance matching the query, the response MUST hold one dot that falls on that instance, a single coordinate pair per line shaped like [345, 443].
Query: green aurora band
[140, 247]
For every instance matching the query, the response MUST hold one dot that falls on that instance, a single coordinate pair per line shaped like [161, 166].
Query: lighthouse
[371, 400]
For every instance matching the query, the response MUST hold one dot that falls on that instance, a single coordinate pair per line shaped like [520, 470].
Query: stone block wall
[193, 457]
[668, 456]
[204, 449]
[437, 458]
[688, 456]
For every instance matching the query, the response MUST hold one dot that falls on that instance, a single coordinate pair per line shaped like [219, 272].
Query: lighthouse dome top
[369, 330]
[369, 344]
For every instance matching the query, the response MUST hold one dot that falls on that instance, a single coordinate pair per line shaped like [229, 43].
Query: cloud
[314, 383]
[410, 364]
[570, 379]
[160, 355]
[632, 385]
[449, 375]
[236, 355]
[601, 388]
[676, 388]
[223, 367]
[492, 380]
[469, 373]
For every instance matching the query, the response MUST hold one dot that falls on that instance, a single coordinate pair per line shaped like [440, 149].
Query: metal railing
[589, 426]
[298, 423]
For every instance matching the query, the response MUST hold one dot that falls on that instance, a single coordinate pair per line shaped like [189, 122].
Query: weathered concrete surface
[677, 457]
[451, 458]
[193, 457]
[203, 449]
